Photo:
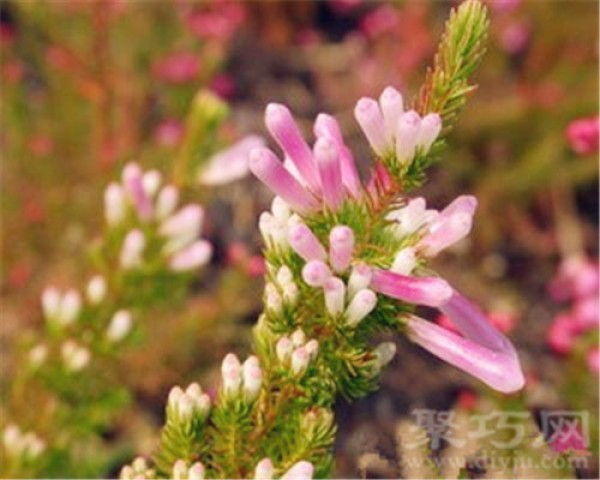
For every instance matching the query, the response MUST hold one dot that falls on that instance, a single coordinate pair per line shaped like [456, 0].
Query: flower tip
[411, 118]
[325, 149]
[390, 93]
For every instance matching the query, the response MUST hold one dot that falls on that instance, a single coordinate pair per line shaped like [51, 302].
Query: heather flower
[191, 257]
[133, 185]
[231, 371]
[119, 326]
[582, 135]
[169, 133]
[182, 405]
[75, 356]
[178, 68]
[230, 164]
[264, 470]
[299, 471]
[96, 289]
[133, 249]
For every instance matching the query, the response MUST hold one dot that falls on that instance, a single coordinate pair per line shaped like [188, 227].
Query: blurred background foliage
[90, 85]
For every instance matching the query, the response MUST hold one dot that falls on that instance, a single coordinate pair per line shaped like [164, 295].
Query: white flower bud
[96, 289]
[361, 305]
[252, 375]
[51, 300]
[280, 209]
[384, 352]
[264, 470]
[273, 300]
[196, 472]
[283, 349]
[360, 278]
[32, 446]
[74, 356]
[290, 293]
[12, 439]
[231, 371]
[405, 261]
[298, 338]
[139, 464]
[151, 182]
[335, 293]
[284, 276]
[38, 355]
[133, 249]
[114, 204]
[299, 471]
[70, 306]
[300, 359]
[119, 326]
[166, 201]
[312, 347]
[193, 256]
[180, 470]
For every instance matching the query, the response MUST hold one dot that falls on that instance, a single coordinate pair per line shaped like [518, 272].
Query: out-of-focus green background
[87, 86]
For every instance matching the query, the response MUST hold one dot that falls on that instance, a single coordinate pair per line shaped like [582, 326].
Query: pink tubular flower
[178, 68]
[315, 273]
[481, 351]
[327, 157]
[191, 257]
[451, 225]
[582, 135]
[133, 184]
[577, 276]
[428, 291]
[265, 165]
[305, 244]
[230, 164]
[341, 244]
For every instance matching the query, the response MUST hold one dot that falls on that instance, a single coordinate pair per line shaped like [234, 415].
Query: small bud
[114, 204]
[51, 300]
[370, 119]
[166, 201]
[298, 338]
[133, 249]
[392, 106]
[151, 182]
[96, 289]
[384, 353]
[284, 276]
[70, 306]
[191, 257]
[132, 179]
[360, 278]
[290, 293]
[231, 371]
[280, 209]
[38, 355]
[335, 292]
[406, 136]
[74, 356]
[180, 470]
[299, 471]
[405, 261]
[300, 359]
[315, 273]
[361, 305]
[304, 242]
[431, 126]
[182, 227]
[283, 349]
[273, 301]
[312, 347]
[273, 230]
[341, 244]
[264, 470]
[139, 464]
[252, 375]
[196, 471]
[119, 326]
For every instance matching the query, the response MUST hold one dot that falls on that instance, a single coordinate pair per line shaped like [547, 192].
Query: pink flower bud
[196, 255]
[119, 326]
[70, 307]
[186, 223]
[305, 243]
[392, 106]
[562, 334]
[300, 359]
[341, 245]
[151, 182]
[361, 305]
[428, 291]
[283, 349]
[450, 226]
[412, 217]
[180, 470]
[312, 347]
[133, 185]
[285, 131]
[298, 338]
[407, 132]
[252, 376]
[166, 201]
[431, 126]
[335, 292]
[369, 117]
[264, 470]
[360, 278]
[265, 165]
[583, 135]
[178, 67]
[327, 157]
[196, 472]
[315, 273]
[114, 204]
[326, 126]
[133, 249]
[586, 312]
[231, 371]
[299, 471]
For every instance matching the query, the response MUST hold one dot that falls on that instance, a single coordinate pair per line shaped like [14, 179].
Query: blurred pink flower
[256, 266]
[514, 37]
[379, 21]
[220, 22]
[562, 334]
[503, 6]
[582, 135]
[168, 133]
[223, 85]
[503, 321]
[467, 399]
[593, 360]
[577, 276]
[7, 34]
[177, 68]
[568, 438]
[40, 144]
[585, 313]
[13, 71]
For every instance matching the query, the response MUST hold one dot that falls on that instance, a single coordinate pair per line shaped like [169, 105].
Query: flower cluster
[576, 281]
[24, 445]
